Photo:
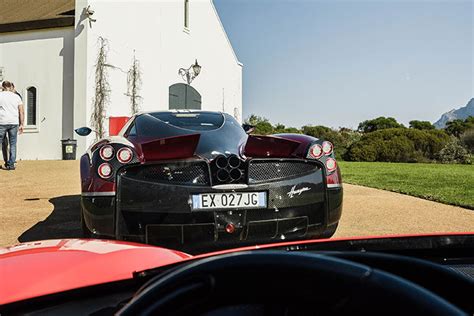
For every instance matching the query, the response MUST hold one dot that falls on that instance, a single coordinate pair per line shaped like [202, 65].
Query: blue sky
[337, 63]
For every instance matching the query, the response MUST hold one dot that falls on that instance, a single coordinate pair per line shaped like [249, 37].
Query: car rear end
[197, 180]
[227, 200]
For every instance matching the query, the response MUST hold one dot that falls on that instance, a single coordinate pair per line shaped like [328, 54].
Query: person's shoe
[10, 168]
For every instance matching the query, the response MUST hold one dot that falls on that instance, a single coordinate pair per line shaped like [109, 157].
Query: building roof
[23, 15]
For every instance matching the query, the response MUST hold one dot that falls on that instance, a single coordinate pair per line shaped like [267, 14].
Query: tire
[330, 231]
[86, 233]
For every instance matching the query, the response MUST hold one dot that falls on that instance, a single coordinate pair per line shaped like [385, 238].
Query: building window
[186, 14]
[31, 106]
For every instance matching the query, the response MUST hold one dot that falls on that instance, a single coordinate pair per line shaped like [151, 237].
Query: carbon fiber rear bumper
[161, 214]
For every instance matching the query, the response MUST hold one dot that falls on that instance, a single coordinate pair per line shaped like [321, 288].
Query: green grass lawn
[450, 184]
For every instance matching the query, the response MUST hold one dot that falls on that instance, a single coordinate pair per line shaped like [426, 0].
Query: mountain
[461, 113]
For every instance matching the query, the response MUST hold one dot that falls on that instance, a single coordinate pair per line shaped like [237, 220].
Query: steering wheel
[301, 283]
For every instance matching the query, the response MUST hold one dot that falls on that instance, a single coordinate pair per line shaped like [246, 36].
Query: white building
[49, 48]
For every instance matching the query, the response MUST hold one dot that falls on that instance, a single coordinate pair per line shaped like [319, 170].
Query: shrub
[454, 152]
[399, 148]
[398, 145]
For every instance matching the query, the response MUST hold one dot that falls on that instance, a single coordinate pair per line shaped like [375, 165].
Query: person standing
[11, 120]
[4, 144]
[5, 139]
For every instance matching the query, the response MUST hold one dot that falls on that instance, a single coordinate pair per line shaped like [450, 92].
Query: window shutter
[31, 106]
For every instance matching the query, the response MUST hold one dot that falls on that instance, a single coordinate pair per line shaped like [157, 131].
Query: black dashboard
[443, 265]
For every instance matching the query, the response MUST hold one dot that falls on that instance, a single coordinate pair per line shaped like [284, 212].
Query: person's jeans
[12, 132]
[5, 149]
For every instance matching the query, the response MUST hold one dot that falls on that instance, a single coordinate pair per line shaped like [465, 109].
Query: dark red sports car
[197, 179]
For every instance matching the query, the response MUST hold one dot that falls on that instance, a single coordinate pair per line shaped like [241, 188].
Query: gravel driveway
[40, 200]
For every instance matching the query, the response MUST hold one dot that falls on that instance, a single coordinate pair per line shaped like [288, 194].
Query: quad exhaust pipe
[222, 175]
[235, 174]
[228, 168]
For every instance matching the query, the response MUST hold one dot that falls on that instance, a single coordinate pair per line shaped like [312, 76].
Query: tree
[281, 129]
[469, 121]
[467, 138]
[456, 127]
[320, 131]
[379, 123]
[102, 89]
[134, 83]
[262, 125]
[421, 125]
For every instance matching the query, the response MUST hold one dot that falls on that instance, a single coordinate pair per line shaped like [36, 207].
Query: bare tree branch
[134, 84]
[102, 89]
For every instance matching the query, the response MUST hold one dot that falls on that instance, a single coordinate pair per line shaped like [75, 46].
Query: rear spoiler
[270, 146]
[177, 147]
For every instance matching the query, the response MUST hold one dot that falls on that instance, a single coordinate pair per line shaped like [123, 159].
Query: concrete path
[40, 200]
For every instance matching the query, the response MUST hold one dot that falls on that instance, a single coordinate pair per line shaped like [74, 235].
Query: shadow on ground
[63, 222]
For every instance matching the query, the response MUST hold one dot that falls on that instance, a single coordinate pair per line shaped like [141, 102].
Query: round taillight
[316, 151]
[105, 170]
[327, 148]
[124, 155]
[331, 164]
[106, 152]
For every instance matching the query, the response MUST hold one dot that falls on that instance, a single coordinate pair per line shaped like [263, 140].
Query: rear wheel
[330, 230]
[86, 233]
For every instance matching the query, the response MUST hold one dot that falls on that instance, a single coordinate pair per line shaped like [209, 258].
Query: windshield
[192, 121]
[243, 122]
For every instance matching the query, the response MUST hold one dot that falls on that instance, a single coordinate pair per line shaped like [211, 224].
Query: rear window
[192, 121]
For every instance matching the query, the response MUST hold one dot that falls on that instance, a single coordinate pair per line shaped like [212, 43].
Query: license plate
[238, 200]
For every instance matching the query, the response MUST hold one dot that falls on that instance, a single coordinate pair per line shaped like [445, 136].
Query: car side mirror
[83, 131]
[248, 128]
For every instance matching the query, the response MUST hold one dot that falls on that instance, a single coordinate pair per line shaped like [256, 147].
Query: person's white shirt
[9, 105]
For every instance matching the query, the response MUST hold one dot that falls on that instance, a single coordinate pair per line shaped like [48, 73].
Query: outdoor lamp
[190, 73]
[196, 68]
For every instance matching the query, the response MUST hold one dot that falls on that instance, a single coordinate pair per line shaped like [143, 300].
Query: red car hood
[39, 268]
[45, 267]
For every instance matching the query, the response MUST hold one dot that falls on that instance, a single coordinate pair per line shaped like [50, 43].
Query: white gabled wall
[154, 31]
[82, 76]
[43, 59]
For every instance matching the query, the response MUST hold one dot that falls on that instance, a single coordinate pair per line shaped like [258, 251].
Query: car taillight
[315, 151]
[124, 155]
[331, 164]
[327, 148]
[106, 152]
[334, 180]
[105, 170]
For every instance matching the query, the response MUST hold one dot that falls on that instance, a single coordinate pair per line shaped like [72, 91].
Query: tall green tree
[262, 125]
[378, 123]
[456, 127]
[467, 139]
[421, 125]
